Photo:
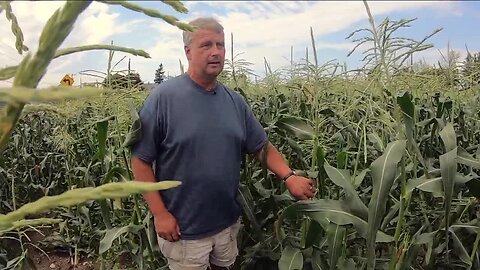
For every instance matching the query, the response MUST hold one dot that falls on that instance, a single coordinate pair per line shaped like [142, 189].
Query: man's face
[206, 53]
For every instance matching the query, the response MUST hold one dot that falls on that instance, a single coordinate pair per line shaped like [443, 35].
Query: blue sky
[260, 28]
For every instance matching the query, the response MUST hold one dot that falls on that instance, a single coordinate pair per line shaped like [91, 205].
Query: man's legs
[187, 254]
[217, 252]
[225, 249]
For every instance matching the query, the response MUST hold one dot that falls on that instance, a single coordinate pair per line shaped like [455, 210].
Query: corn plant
[28, 74]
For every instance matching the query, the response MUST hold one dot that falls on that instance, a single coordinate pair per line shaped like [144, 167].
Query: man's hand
[167, 227]
[300, 187]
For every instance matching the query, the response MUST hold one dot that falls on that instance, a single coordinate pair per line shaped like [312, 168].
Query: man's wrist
[159, 213]
[288, 175]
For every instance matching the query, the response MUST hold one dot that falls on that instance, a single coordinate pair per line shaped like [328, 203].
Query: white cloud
[261, 29]
[96, 25]
[268, 29]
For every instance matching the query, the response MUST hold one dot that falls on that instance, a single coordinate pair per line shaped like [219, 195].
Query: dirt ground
[54, 259]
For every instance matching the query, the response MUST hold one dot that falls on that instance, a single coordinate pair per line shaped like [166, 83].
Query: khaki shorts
[219, 249]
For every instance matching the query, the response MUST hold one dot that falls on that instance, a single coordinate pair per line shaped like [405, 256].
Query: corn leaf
[408, 108]
[315, 234]
[102, 129]
[318, 260]
[343, 179]
[114, 233]
[291, 259]
[335, 235]
[433, 185]
[135, 130]
[297, 127]
[335, 211]
[383, 172]
[448, 166]
[466, 159]
[460, 249]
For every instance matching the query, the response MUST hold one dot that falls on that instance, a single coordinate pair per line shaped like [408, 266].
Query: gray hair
[202, 23]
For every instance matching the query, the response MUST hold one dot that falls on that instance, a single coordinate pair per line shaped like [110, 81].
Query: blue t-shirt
[198, 137]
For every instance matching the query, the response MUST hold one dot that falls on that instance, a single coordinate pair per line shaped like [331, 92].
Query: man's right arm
[165, 223]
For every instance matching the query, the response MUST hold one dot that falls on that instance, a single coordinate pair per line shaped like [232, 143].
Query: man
[196, 130]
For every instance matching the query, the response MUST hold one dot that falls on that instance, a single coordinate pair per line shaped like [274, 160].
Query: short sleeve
[256, 137]
[147, 144]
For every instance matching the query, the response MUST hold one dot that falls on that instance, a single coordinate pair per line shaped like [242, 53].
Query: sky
[261, 30]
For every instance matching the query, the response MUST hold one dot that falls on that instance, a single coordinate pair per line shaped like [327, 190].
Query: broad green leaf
[342, 158]
[465, 159]
[247, 203]
[472, 228]
[449, 137]
[391, 214]
[448, 165]
[343, 179]
[291, 259]
[265, 193]
[151, 232]
[320, 155]
[135, 132]
[359, 178]
[102, 128]
[383, 172]
[460, 249]
[297, 127]
[336, 235]
[433, 185]
[333, 210]
[424, 238]
[114, 233]
[376, 141]
[406, 104]
[315, 234]
[348, 264]
[408, 108]
[295, 147]
[318, 260]
[105, 212]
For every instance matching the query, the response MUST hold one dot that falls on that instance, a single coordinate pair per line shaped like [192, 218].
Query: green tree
[159, 75]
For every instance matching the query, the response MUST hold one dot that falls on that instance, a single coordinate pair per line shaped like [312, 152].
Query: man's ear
[187, 51]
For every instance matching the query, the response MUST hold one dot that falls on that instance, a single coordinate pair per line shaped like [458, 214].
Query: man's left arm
[300, 187]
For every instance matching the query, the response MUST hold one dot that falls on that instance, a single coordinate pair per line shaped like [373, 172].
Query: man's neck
[207, 84]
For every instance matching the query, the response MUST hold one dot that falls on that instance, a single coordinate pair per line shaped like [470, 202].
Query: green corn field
[395, 152]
